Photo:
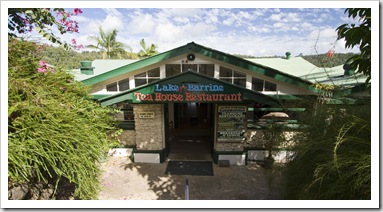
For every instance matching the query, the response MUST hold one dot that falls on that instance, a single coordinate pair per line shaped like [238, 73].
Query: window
[270, 86]
[147, 77]
[189, 67]
[206, 69]
[121, 85]
[112, 87]
[172, 69]
[234, 77]
[262, 85]
[257, 84]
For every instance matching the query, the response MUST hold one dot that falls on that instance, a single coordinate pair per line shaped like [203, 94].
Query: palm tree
[109, 46]
[147, 51]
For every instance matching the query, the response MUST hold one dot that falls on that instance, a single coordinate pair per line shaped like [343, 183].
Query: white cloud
[258, 32]
[112, 12]
[181, 12]
[141, 24]
[212, 16]
[279, 25]
[181, 20]
[112, 22]
[328, 33]
[294, 17]
[276, 17]
[167, 32]
[258, 13]
[228, 21]
[306, 26]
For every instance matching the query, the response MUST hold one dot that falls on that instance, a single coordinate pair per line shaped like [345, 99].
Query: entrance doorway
[192, 131]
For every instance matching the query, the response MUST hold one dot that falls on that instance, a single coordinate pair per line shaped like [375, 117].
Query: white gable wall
[282, 87]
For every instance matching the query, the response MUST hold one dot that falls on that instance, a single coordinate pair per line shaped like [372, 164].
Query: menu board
[231, 123]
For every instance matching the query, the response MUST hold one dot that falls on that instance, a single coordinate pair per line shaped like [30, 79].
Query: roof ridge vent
[86, 67]
[288, 55]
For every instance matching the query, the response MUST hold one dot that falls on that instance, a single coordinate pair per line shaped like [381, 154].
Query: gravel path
[124, 180]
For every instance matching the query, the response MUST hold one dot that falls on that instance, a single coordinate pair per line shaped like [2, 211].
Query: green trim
[208, 52]
[99, 96]
[162, 153]
[285, 97]
[263, 126]
[277, 109]
[289, 121]
[247, 95]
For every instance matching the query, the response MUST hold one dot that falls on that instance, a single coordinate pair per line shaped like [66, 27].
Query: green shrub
[333, 155]
[54, 131]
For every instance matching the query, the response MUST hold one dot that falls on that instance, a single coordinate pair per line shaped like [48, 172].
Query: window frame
[232, 76]
[147, 78]
[263, 85]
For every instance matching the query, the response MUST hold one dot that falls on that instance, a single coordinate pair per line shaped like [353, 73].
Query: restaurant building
[194, 102]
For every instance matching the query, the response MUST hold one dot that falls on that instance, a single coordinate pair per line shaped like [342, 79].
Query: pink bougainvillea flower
[77, 11]
[42, 63]
[330, 53]
[73, 41]
[41, 70]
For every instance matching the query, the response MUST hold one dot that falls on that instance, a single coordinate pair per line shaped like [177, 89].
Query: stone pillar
[149, 131]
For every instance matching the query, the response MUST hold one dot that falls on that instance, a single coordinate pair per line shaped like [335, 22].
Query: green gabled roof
[191, 77]
[208, 52]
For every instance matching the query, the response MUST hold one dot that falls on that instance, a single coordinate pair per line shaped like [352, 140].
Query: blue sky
[250, 31]
[254, 28]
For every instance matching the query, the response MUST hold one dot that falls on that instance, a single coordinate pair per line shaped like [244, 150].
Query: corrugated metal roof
[296, 66]
[299, 67]
[100, 67]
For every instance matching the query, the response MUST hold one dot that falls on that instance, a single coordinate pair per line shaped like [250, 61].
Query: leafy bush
[54, 131]
[333, 155]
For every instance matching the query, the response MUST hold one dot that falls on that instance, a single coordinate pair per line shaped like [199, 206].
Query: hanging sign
[231, 123]
[186, 93]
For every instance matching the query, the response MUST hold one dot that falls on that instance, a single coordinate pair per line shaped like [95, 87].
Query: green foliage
[333, 155]
[360, 36]
[54, 131]
[67, 59]
[109, 46]
[147, 51]
[321, 60]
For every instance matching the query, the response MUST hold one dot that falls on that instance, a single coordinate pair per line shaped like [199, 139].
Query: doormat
[201, 168]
